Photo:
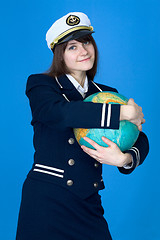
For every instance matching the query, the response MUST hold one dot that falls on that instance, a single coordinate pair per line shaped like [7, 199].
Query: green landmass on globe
[124, 137]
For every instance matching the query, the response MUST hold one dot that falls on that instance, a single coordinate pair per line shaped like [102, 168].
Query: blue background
[127, 34]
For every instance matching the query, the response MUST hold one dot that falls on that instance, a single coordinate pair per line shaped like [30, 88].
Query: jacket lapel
[69, 89]
[71, 92]
[91, 89]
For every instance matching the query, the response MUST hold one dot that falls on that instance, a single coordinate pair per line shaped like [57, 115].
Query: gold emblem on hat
[73, 20]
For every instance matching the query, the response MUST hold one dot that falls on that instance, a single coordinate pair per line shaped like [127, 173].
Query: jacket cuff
[136, 160]
[130, 165]
[112, 116]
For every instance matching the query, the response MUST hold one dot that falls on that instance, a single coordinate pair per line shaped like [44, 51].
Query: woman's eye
[72, 47]
[87, 42]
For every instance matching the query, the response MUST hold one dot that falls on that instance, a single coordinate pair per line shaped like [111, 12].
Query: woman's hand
[110, 155]
[133, 113]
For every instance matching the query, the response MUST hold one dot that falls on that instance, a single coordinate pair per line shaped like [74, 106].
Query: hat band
[56, 40]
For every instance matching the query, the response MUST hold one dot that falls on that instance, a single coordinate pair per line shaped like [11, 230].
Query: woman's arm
[50, 107]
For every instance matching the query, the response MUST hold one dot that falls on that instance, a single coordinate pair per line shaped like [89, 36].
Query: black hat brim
[75, 35]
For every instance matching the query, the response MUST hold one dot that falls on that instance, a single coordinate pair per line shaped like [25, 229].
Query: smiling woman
[59, 65]
[79, 58]
[60, 197]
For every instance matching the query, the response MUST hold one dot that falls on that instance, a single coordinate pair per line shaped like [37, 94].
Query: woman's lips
[86, 59]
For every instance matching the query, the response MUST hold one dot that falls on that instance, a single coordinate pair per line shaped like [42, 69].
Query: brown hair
[58, 66]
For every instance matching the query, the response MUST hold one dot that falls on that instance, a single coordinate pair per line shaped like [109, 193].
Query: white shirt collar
[81, 90]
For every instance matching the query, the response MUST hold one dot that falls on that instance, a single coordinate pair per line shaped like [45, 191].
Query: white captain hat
[71, 26]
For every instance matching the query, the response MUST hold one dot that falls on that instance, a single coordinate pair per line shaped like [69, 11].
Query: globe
[124, 137]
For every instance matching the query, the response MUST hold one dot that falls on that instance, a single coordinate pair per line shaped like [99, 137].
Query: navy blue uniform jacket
[58, 157]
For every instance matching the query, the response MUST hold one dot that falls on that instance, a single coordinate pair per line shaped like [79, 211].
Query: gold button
[95, 184]
[69, 182]
[71, 162]
[96, 164]
[71, 140]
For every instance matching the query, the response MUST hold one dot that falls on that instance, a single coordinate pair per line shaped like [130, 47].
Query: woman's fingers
[140, 128]
[97, 146]
[93, 143]
[93, 153]
[136, 115]
[131, 101]
[110, 155]
[107, 141]
[143, 120]
[96, 154]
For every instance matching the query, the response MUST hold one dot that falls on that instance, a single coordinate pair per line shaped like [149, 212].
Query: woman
[60, 197]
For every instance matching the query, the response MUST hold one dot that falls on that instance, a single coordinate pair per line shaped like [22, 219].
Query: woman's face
[79, 57]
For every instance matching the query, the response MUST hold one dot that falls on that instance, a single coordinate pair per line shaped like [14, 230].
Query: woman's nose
[83, 50]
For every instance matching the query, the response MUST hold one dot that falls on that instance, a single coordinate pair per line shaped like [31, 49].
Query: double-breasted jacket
[57, 107]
